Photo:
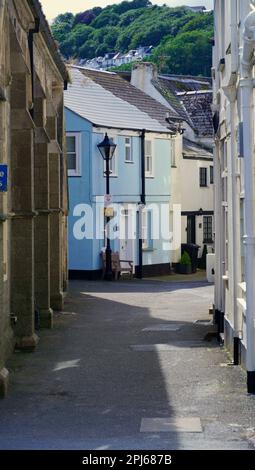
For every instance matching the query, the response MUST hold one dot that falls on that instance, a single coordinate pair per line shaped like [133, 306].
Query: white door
[126, 235]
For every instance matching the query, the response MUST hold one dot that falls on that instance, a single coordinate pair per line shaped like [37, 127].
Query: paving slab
[163, 327]
[191, 425]
[85, 387]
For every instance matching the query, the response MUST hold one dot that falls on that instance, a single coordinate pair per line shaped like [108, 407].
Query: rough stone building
[33, 210]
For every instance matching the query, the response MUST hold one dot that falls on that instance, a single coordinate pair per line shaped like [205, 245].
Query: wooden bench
[119, 266]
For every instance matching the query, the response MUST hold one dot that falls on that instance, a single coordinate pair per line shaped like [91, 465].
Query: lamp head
[107, 148]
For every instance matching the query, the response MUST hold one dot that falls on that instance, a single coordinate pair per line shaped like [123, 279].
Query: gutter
[141, 205]
[246, 84]
[49, 40]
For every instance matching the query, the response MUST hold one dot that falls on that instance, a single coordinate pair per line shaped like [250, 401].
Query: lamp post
[107, 148]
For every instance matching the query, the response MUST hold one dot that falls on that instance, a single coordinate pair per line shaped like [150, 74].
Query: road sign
[3, 178]
[107, 200]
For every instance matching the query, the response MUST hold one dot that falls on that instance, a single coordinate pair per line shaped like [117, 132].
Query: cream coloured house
[192, 162]
[233, 72]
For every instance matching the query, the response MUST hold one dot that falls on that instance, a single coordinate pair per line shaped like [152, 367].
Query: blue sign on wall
[3, 178]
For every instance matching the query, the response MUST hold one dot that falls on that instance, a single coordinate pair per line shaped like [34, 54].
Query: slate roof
[193, 150]
[106, 100]
[162, 86]
[198, 106]
[191, 97]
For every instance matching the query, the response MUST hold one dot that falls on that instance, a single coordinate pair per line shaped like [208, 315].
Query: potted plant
[185, 264]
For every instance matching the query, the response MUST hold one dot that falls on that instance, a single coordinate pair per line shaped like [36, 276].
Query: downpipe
[246, 84]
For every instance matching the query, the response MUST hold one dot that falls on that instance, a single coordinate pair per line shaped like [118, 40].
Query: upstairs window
[128, 150]
[203, 177]
[73, 153]
[148, 158]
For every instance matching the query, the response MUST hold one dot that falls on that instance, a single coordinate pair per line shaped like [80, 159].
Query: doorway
[191, 229]
[126, 235]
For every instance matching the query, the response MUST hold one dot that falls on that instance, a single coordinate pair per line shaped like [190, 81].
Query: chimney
[142, 75]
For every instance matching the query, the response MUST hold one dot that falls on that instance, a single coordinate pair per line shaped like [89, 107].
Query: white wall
[193, 197]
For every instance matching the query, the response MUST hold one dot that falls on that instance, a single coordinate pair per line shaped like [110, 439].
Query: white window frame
[146, 229]
[130, 147]
[113, 169]
[144, 221]
[149, 174]
[77, 136]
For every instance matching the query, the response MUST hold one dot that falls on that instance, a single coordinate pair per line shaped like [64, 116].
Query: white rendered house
[233, 72]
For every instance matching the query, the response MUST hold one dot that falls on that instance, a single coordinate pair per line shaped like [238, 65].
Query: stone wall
[33, 213]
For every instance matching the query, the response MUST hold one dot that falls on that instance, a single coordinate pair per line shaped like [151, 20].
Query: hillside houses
[112, 59]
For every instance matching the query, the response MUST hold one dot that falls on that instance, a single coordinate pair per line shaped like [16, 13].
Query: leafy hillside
[181, 38]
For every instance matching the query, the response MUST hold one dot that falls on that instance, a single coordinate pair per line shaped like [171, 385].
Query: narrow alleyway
[127, 366]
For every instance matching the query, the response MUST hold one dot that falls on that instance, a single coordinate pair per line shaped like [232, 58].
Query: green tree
[80, 35]
[180, 37]
[106, 18]
[188, 53]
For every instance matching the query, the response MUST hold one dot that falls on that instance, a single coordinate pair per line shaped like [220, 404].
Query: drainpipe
[31, 53]
[234, 37]
[246, 84]
[142, 203]
[218, 224]
[234, 218]
[235, 190]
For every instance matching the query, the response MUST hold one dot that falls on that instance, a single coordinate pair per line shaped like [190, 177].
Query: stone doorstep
[4, 382]
[177, 425]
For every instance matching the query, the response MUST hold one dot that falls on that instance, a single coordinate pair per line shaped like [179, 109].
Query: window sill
[149, 176]
[77, 175]
[149, 249]
[209, 242]
[129, 161]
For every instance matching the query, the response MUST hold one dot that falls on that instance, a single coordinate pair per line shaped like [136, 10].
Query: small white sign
[107, 199]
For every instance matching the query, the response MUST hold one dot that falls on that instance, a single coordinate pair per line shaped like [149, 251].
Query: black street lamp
[107, 148]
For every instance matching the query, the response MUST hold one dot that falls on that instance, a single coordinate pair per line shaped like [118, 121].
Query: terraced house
[33, 183]
[192, 162]
[233, 71]
[143, 130]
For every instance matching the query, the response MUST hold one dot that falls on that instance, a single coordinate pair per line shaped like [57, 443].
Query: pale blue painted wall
[126, 187]
[80, 252]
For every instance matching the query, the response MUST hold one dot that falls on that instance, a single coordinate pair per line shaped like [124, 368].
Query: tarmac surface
[129, 365]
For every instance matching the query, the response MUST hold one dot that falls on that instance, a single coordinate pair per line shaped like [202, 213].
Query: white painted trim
[150, 174]
[128, 146]
[78, 171]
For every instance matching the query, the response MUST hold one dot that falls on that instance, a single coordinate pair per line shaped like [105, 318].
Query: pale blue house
[101, 102]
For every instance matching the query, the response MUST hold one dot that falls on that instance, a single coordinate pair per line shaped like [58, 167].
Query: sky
[52, 8]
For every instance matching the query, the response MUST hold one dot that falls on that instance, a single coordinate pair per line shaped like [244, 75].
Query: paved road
[127, 367]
